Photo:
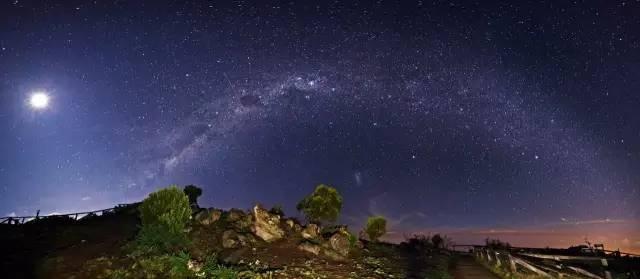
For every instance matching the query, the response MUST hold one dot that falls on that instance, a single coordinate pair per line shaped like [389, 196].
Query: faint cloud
[568, 222]
[496, 231]
[12, 214]
[85, 198]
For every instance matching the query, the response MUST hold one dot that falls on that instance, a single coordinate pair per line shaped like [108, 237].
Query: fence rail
[519, 262]
[19, 220]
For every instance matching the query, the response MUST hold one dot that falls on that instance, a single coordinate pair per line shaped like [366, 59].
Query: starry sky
[473, 119]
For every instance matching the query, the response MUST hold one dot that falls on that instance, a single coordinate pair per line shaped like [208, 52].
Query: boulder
[363, 236]
[230, 239]
[311, 231]
[266, 225]
[292, 225]
[309, 248]
[240, 220]
[208, 216]
[236, 257]
[246, 239]
[333, 255]
[194, 266]
[235, 215]
[340, 243]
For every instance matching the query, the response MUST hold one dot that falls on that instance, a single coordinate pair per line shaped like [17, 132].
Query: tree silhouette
[193, 192]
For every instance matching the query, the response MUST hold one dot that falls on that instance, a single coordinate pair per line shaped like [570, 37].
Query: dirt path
[468, 268]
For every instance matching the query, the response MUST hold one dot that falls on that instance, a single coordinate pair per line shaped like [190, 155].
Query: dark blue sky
[435, 114]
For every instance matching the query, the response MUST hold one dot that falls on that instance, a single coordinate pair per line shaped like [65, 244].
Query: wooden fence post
[512, 264]
[498, 263]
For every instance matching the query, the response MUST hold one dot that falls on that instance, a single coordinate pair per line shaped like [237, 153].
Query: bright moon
[39, 100]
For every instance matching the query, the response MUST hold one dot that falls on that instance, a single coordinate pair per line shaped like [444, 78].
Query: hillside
[236, 243]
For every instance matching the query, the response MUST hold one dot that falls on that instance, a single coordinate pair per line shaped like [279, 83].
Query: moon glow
[39, 100]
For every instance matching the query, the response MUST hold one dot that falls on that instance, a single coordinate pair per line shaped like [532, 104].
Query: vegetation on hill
[168, 237]
[376, 227]
[323, 205]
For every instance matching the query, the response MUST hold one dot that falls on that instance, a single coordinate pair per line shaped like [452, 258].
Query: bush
[324, 204]
[157, 239]
[193, 192]
[437, 241]
[167, 208]
[376, 227]
[417, 242]
[212, 269]
[497, 244]
[164, 215]
[179, 266]
[353, 241]
[164, 266]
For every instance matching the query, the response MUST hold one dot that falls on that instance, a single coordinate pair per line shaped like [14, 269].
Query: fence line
[18, 220]
[521, 262]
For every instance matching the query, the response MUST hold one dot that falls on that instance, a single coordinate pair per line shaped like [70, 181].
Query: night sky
[473, 119]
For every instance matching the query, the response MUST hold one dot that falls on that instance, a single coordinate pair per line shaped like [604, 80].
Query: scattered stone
[246, 239]
[266, 225]
[311, 231]
[334, 255]
[194, 266]
[236, 256]
[230, 239]
[290, 223]
[310, 248]
[235, 215]
[208, 216]
[293, 226]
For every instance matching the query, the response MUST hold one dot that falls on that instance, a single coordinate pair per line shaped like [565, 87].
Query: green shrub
[168, 208]
[157, 239]
[376, 227]
[212, 269]
[153, 267]
[179, 267]
[353, 241]
[324, 204]
[164, 216]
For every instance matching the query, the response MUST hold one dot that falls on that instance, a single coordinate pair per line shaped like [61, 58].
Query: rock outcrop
[208, 216]
[311, 231]
[240, 220]
[230, 239]
[310, 248]
[266, 225]
[340, 243]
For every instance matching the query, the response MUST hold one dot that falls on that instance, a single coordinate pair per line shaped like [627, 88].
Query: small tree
[193, 192]
[164, 214]
[376, 227]
[324, 204]
[437, 241]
